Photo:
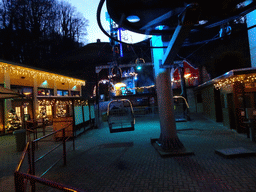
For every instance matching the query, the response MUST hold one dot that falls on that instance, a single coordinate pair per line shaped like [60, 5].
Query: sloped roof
[7, 93]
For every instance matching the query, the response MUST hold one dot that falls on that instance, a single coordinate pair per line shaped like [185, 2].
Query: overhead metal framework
[161, 17]
[176, 19]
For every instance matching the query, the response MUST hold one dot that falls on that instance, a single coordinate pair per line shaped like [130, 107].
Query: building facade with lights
[229, 98]
[37, 85]
[191, 75]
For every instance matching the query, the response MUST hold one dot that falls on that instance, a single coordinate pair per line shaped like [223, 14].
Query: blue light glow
[160, 27]
[251, 21]
[157, 53]
[139, 67]
[121, 45]
[44, 83]
[133, 18]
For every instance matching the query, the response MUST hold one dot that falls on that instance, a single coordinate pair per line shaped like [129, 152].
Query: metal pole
[19, 182]
[90, 118]
[73, 125]
[83, 116]
[29, 158]
[33, 185]
[64, 149]
[33, 158]
[97, 102]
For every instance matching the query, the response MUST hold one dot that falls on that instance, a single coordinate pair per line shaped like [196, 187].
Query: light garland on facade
[232, 80]
[53, 102]
[32, 73]
[145, 87]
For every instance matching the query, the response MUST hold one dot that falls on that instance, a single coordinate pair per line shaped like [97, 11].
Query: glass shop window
[245, 101]
[28, 91]
[75, 93]
[62, 93]
[18, 112]
[49, 110]
[59, 93]
[45, 92]
[25, 110]
[65, 93]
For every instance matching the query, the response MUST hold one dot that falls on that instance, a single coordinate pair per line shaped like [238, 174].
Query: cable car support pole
[169, 140]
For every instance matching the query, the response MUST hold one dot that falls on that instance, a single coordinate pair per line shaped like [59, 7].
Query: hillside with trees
[32, 31]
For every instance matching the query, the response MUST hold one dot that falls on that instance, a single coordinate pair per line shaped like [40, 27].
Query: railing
[145, 111]
[21, 179]
[35, 142]
[33, 127]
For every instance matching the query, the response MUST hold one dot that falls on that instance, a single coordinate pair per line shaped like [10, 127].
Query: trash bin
[20, 137]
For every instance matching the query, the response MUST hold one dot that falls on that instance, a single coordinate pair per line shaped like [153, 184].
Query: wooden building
[229, 98]
[37, 85]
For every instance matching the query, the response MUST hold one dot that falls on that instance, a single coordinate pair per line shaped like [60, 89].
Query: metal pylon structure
[177, 19]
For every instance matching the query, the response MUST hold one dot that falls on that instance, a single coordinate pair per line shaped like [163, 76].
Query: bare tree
[72, 24]
[31, 30]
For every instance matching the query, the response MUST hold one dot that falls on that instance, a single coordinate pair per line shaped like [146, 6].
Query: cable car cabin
[181, 109]
[120, 116]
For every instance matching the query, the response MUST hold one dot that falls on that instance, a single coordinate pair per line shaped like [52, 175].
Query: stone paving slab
[235, 152]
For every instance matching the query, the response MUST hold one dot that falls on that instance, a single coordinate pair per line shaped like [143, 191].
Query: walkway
[127, 162]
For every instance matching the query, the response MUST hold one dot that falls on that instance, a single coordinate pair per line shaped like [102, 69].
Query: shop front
[20, 112]
[74, 112]
[2, 117]
[233, 97]
[34, 84]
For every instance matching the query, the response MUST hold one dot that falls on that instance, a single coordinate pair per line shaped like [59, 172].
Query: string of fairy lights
[32, 73]
[53, 102]
[235, 79]
[60, 110]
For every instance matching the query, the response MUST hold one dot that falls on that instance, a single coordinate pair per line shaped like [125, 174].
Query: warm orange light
[118, 85]
[187, 75]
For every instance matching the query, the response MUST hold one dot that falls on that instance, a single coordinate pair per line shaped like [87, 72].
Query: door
[231, 111]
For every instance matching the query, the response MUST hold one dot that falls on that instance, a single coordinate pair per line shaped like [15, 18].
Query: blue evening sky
[89, 8]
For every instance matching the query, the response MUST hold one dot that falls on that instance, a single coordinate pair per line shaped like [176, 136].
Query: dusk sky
[89, 8]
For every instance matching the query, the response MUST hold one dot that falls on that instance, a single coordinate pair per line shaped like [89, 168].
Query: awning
[7, 93]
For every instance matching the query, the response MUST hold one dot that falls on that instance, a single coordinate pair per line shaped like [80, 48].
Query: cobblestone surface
[126, 162]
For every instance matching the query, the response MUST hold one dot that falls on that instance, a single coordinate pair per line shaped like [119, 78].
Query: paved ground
[128, 162]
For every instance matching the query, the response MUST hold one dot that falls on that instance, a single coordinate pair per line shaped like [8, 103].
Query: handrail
[47, 153]
[51, 150]
[176, 97]
[19, 177]
[48, 182]
[22, 157]
[36, 140]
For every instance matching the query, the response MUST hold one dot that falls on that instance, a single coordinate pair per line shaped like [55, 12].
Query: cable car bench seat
[120, 116]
